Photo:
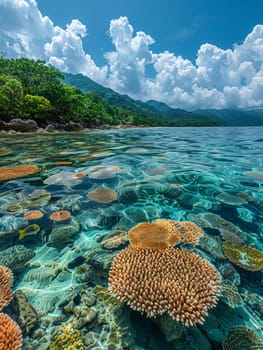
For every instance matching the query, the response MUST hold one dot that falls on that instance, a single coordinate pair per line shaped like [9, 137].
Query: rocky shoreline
[18, 125]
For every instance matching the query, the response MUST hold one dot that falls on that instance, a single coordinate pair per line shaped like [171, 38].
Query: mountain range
[156, 109]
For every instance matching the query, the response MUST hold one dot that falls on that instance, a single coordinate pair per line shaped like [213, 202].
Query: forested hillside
[33, 90]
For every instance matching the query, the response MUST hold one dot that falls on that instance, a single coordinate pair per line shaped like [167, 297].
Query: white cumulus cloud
[24, 31]
[219, 78]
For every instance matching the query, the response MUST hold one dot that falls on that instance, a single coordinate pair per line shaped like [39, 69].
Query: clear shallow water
[211, 176]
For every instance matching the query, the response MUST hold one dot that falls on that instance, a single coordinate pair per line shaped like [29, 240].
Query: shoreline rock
[20, 126]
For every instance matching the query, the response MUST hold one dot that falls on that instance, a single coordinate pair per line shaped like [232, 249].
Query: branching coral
[14, 172]
[155, 278]
[6, 281]
[10, 334]
[66, 338]
[6, 276]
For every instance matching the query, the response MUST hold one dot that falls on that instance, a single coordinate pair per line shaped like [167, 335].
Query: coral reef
[66, 338]
[248, 258]
[16, 171]
[27, 315]
[190, 232]
[38, 198]
[33, 214]
[114, 240]
[6, 281]
[154, 235]
[241, 338]
[62, 234]
[16, 257]
[154, 279]
[103, 195]
[230, 295]
[10, 334]
[60, 216]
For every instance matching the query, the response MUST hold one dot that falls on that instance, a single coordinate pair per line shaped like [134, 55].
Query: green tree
[11, 96]
[36, 106]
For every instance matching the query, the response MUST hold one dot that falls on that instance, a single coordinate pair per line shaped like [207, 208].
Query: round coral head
[60, 215]
[158, 281]
[102, 195]
[10, 334]
[14, 172]
[33, 214]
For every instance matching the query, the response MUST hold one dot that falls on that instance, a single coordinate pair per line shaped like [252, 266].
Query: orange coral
[6, 296]
[6, 276]
[6, 281]
[10, 334]
[156, 281]
[13, 172]
[248, 258]
[60, 215]
[159, 234]
[80, 175]
[146, 235]
[190, 232]
[102, 195]
[33, 214]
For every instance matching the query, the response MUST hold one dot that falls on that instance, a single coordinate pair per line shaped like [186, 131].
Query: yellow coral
[244, 256]
[66, 338]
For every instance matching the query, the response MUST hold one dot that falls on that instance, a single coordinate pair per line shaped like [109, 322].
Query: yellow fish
[28, 231]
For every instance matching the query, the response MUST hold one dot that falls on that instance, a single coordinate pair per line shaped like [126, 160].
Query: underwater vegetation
[132, 240]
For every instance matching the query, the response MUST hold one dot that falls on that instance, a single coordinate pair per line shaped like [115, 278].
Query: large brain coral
[154, 278]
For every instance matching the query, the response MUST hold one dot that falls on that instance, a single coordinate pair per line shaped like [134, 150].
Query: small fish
[28, 231]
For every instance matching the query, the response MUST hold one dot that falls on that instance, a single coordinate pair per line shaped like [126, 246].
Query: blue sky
[187, 53]
[179, 26]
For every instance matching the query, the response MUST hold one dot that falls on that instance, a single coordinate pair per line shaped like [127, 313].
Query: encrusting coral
[190, 232]
[60, 216]
[33, 214]
[153, 278]
[102, 195]
[164, 232]
[248, 258]
[14, 172]
[158, 234]
[241, 338]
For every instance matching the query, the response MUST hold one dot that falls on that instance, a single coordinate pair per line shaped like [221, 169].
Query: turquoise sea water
[210, 176]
